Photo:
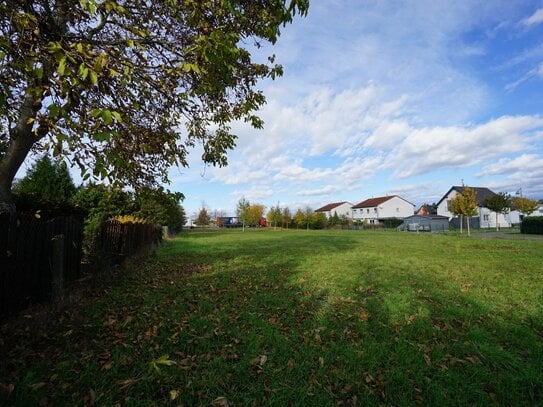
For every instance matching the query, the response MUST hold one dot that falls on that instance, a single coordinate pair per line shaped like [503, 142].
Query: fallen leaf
[220, 402]
[174, 394]
[321, 361]
[37, 386]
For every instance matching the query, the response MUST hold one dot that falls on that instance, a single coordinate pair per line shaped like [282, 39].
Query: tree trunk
[461, 224]
[21, 141]
[467, 224]
[497, 224]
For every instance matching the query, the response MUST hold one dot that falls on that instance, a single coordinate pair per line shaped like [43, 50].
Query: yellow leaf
[174, 394]
[30, 120]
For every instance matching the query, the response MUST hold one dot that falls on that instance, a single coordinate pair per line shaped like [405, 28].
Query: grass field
[294, 318]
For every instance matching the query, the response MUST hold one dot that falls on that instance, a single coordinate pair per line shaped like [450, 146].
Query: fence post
[57, 265]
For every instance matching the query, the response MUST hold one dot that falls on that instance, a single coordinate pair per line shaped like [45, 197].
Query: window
[374, 209]
[397, 209]
[486, 218]
[367, 211]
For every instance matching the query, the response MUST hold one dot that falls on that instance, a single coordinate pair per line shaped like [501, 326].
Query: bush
[532, 225]
[392, 223]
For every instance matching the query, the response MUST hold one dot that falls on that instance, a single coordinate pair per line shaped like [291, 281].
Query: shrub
[392, 223]
[532, 225]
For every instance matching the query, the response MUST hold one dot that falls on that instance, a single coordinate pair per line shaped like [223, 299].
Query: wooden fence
[118, 240]
[38, 255]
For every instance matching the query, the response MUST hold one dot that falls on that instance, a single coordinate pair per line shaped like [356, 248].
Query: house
[426, 209]
[425, 223]
[515, 217]
[485, 218]
[374, 210]
[341, 208]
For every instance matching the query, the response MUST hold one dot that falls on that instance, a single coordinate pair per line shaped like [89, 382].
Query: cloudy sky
[390, 97]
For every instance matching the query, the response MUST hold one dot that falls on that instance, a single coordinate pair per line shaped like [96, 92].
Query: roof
[330, 206]
[373, 202]
[433, 217]
[481, 193]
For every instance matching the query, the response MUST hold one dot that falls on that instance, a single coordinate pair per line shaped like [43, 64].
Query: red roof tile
[329, 207]
[373, 202]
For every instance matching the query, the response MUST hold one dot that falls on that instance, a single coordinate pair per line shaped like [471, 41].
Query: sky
[390, 97]
[383, 97]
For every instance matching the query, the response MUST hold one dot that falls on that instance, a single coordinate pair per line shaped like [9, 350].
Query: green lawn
[295, 318]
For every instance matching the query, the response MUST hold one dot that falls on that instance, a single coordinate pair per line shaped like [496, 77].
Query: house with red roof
[341, 208]
[375, 210]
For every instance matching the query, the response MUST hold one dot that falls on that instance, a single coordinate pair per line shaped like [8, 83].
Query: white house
[485, 217]
[374, 210]
[341, 208]
[516, 216]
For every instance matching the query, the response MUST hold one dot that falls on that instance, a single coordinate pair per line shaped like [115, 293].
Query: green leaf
[83, 71]
[93, 77]
[54, 110]
[107, 116]
[61, 66]
[117, 116]
[102, 136]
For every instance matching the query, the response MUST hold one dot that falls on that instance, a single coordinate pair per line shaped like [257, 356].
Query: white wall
[395, 207]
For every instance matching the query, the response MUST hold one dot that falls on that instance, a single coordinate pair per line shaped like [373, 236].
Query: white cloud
[430, 149]
[534, 19]
[526, 164]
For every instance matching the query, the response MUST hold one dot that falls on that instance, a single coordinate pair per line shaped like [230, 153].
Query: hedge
[532, 225]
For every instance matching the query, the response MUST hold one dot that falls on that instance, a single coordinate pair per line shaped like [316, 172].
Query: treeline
[48, 187]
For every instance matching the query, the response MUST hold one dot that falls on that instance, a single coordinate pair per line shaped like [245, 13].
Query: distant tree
[468, 205]
[255, 214]
[242, 211]
[498, 203]
[299, 218]
[455, 207]
[465, 205]
[161, 207]
[274, 215]
[318, 220]
[286, 217]
[334, 219]
[47, 181]
[524, 205]
[203, 218]
[308, 216]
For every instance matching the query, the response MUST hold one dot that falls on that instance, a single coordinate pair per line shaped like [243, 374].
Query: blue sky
[390, 97]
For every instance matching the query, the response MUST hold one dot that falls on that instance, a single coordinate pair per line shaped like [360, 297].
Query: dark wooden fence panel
[27, 257]
[118, 240]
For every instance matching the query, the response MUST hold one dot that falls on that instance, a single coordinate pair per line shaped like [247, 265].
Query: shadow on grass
[295, 318]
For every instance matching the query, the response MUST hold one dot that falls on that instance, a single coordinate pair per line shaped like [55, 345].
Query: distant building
[426, 223]
[341, 208]
[375, 210]
[485, 218]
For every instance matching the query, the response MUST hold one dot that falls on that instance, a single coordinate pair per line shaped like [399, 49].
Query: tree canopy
[47, 181]
[125, 88]
[498, 203]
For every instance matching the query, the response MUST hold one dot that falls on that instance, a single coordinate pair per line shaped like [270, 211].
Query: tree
[334, 219]
[318, 220]
[274, 215]
[47, 181]
[465, 205]
[524, 205]
[255, 214]
[299, 218]
[308, 216]
[242, 211]
[110, 84]
[286, 217]
[161, 207]
[203, 218]
[498, 203]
